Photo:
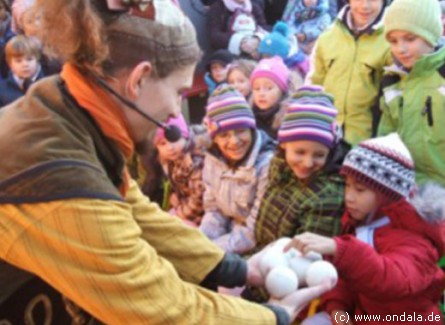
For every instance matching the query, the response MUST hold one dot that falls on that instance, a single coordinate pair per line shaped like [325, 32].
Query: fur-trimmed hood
[423, 214]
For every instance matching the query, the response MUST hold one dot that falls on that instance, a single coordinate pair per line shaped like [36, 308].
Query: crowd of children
[344, 152]
[278, 164]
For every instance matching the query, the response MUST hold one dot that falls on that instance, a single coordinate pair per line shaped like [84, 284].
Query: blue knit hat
[310, 115]
[277, 42]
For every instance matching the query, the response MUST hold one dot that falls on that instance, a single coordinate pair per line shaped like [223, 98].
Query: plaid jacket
[291, 206]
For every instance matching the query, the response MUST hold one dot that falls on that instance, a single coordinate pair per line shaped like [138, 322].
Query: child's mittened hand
[308, 242]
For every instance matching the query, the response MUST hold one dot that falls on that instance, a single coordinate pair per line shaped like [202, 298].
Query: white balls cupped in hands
[319, 272]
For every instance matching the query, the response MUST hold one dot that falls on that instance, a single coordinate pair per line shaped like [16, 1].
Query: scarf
[105, 112]
[233, 5]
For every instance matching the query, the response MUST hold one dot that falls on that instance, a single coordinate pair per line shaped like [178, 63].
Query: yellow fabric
[118, 261]
[351, 70]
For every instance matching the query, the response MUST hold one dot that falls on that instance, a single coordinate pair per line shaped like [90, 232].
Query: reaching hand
[296, 301]
[307, 242]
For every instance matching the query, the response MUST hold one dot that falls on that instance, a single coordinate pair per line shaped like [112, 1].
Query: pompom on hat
[273, 69]
[227, 109]
[310, 115]
[419, 17]
[384, 164]
[276, 42]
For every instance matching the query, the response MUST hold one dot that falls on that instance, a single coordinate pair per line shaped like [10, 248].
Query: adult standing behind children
[71, 214]
[413, 102]
[348, 60]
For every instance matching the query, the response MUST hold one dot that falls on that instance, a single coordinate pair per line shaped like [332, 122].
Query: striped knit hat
[384, 164]
[310, 115]
[227, 110]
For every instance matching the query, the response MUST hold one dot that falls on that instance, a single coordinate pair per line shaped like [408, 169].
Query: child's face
[234, 144]
[30, 23]
[24, 66]
[305, 157]
[218, 72]
[240, 81]
[407, 48]
[310, 3]
[266, 93]
[169, 151]
[364, 12]
[360, 201]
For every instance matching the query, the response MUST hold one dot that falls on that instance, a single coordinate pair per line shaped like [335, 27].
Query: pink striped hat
[310, 115]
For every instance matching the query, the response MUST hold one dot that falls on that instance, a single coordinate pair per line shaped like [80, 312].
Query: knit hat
[420, 17]
[277, 42]
[227, 110]
[384, 164]
[179, 122]
[310, 115]
[221, 56]
[274, 69]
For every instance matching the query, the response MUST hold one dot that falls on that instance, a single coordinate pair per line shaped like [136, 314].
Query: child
[307, 20]
[235, 171]
[270, 85]
[348, 61]
[387, 257]
[217, 65]
[236, 25]
[183, 162]
[22, 55]
[305, 191]
[283, 44]
[413, 103]
[238, 76]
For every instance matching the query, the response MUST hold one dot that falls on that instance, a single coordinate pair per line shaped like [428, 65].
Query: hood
[423, 214]
[262, 144]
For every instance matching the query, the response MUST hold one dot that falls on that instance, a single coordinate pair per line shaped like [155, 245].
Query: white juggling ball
[281, 281]
[300, 265]
[272, 258]
[320, 271]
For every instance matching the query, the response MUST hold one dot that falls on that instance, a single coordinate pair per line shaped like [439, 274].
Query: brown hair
[93, 38]
[22, 45]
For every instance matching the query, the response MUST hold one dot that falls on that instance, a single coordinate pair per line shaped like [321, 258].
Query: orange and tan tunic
[114, 253]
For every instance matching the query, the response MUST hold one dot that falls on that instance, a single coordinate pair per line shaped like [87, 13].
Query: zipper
[428, 111]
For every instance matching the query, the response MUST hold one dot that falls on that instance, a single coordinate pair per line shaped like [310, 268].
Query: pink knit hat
[273, 69]
[179, 122]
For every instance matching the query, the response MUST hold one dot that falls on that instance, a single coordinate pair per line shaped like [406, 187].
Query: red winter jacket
[399, 276]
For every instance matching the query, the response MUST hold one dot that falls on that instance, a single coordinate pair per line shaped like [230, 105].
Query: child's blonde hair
[22, 45]
[244, 65]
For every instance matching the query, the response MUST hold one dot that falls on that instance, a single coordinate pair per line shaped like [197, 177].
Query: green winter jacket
[413, 105]
[351, 69]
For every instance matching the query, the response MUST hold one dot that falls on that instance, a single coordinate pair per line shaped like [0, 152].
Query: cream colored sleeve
[188, 249]
[93, 251]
